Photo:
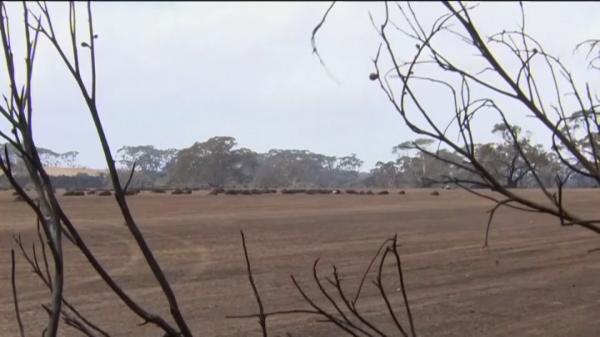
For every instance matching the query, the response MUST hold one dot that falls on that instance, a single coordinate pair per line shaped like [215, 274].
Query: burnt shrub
[186, 190]
[383, 193]
[435, 192]
[177, 191]
[74, 193]
[293, 191]
[104, 193]
[159, 190]
[216, 191]
[402, 192]
[133, 191]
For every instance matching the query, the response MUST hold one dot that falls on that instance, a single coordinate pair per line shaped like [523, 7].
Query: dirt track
[536, 279]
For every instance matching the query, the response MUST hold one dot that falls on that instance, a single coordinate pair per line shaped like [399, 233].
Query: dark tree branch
[14, 292]
[262, 318]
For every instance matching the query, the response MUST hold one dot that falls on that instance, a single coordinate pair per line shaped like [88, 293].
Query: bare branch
[14, 291]
[262, 318]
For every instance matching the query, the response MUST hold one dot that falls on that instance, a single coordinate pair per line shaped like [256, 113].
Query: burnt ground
[536, 278]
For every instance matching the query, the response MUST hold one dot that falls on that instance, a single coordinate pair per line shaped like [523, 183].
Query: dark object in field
[402, 192]
[351, 192]
[435, 193]
[179, 191]
[383, 193]
[369, 192]
[159, 190]
[216, 191]
[91, 192]
[244, 191]
[336, 192]
[74, 194]
[132, 191]
[318, 191]
[235, 191]
[184, 190]
[18, 198]
[15, 193]
[293, 191]
[104, 193]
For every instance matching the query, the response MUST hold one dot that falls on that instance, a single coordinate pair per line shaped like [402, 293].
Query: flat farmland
[536, 278]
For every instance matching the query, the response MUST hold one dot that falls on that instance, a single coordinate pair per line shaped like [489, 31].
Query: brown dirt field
[536, 279]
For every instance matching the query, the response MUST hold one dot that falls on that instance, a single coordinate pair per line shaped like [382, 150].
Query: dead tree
[18, 111]
[508, 76]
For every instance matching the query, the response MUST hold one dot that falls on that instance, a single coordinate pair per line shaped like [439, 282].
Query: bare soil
[536, 278]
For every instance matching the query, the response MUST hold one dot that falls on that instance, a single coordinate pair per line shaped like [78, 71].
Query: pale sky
[171, 74]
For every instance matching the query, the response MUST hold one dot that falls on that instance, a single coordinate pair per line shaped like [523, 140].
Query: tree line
[219, 162]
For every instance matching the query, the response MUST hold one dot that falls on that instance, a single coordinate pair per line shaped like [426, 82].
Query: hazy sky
[171, 74]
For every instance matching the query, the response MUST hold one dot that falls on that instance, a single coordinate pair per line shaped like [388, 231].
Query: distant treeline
[219, 162]
[76, 182]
